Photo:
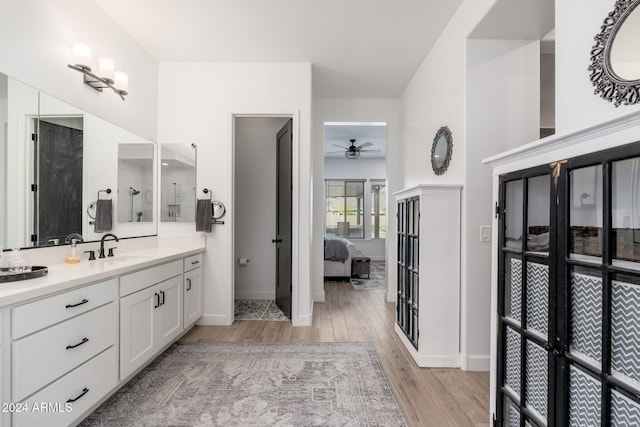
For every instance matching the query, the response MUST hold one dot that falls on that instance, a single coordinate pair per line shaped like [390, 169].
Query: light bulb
[106, 69]
[82, 55]
[121, 81]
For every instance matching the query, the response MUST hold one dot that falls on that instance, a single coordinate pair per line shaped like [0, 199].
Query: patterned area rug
[375, 280]
[257, 309]
[256, 384]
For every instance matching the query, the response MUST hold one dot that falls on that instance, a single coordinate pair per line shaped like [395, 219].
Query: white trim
[295, 202]
[306, 320]
[474, 362]
[430, 361]
[319, 297]
[215, 320]
[568, 139]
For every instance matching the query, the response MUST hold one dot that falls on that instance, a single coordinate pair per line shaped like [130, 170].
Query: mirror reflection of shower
[133, 192]
[174, 208]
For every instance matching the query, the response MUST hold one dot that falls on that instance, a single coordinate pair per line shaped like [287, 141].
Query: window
[378, 209]
[344, 214]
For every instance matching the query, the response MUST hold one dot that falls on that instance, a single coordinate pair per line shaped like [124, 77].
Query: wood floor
[429, 397]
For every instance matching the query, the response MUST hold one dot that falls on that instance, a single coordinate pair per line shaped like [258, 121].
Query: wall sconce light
[117, 80]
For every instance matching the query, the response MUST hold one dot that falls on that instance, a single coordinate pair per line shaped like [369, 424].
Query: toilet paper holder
[243, 261]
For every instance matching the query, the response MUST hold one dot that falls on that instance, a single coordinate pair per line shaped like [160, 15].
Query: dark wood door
[283, 218]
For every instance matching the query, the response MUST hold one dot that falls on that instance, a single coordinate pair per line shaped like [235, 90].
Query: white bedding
[340, 269]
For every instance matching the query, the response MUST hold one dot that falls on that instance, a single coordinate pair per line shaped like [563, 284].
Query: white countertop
[65, 276]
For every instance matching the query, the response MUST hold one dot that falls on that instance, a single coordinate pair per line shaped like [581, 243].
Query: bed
[337, 257]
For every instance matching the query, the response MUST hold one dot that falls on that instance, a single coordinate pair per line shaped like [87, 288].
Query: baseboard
[306, 320]
[268, 295]
[423, 361]
[319, 297]
[475, 362]
[214, 320]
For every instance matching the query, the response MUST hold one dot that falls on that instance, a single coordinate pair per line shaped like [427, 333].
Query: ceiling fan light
[352, 155]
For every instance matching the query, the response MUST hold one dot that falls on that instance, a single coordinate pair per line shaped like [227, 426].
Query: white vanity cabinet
[192, 289]
[150, 313]
[56, 342]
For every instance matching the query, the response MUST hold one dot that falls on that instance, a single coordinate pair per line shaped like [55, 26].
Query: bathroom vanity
[72, 338]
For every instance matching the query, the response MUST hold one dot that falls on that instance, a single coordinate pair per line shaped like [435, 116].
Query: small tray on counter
[36, 271]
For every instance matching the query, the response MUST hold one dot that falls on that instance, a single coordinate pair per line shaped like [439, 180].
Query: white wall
[577, 22]
[255, 206]
[191, 110]
[502, 109]
[436, 96]
[355, 110]
[36, 44]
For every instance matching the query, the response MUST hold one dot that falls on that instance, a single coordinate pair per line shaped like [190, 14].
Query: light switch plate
[485, 233]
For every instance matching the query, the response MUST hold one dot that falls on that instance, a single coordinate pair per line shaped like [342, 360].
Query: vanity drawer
[98, 377]
[193, 261]
[133, 282]
[44, 356]
[41, 314]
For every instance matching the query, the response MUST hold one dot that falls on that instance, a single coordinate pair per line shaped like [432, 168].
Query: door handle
[162, 293]
[188, 284]
[157, 302]
[276, 240]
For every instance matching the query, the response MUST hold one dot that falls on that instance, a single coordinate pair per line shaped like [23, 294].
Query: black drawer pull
[84, 340]
[84, 391]
[188, 284]
[195, 262]
[84, 301]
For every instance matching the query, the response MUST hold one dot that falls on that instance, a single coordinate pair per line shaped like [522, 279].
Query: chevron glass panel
[513, 288]
[513, 363]
[585, 214]
[538, 299]
[625, 333]
[538, 199]
[511, 414]
[625, 218]
[584, 399]
[586, 317]
[536, 380]
[624, 410]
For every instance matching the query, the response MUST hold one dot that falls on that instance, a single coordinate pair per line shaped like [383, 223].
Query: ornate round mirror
[218, 209]
[615, 58]
[441, 150]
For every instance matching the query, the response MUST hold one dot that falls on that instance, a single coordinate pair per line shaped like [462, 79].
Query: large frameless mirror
[178, 182]
[615, 58]
[55, 159]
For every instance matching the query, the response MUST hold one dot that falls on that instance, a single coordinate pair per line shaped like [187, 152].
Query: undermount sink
[125, 258]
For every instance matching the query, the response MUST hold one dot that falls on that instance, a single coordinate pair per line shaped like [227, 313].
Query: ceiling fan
[353, 151]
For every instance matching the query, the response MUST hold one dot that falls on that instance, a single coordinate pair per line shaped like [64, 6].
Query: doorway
[259, 246]
[355, 199]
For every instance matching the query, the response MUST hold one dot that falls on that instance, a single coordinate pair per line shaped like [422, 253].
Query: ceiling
[358, 48]
[341, 133]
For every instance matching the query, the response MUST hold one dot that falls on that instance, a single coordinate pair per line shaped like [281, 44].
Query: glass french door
[569, 293]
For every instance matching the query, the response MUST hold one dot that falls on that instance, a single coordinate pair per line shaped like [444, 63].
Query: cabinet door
[169, 314]
[192, 296]
[137, 329]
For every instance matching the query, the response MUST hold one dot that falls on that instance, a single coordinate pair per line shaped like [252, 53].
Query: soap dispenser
[72, 253]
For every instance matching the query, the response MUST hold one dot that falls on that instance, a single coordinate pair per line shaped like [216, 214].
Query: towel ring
[207, 191]
[108, 191]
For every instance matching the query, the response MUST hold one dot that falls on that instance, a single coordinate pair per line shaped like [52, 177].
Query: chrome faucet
[101, 253]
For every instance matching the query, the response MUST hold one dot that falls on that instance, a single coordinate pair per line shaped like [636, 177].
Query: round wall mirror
[615, 59]
[441, 150]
